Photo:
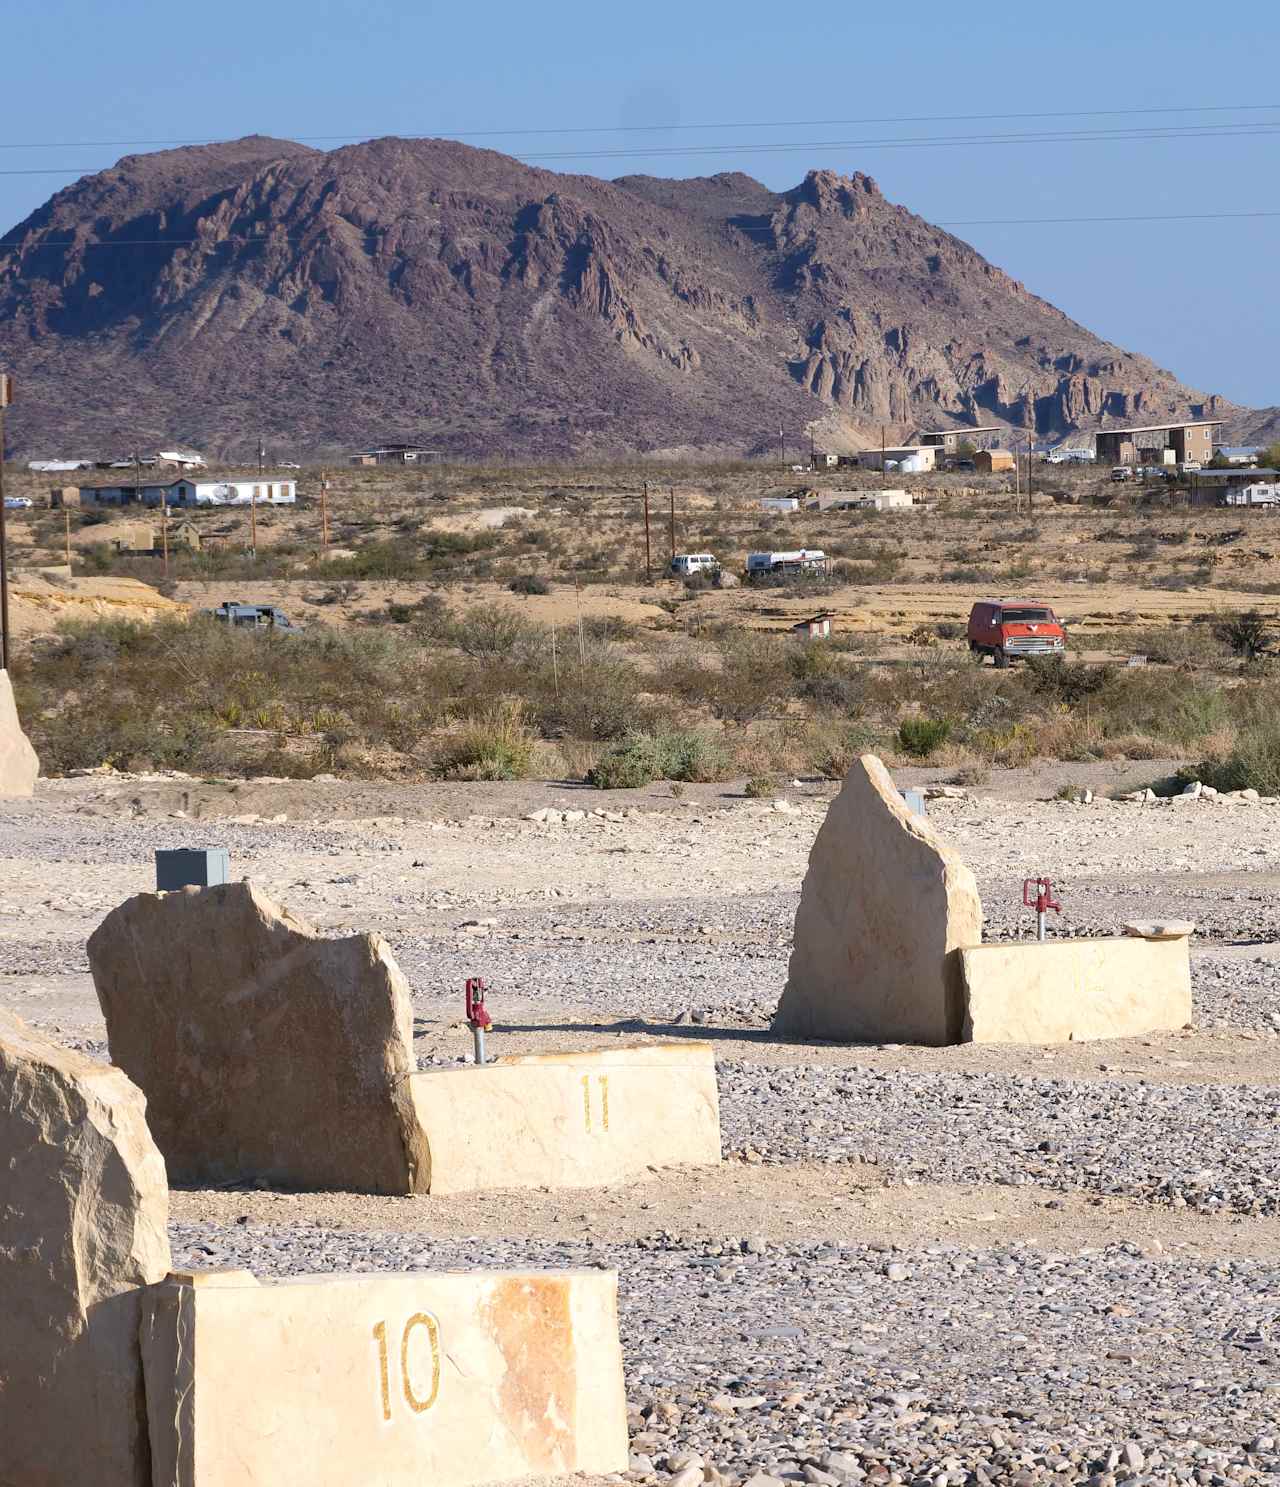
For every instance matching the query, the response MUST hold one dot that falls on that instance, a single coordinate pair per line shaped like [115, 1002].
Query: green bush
[642, 758]
[1245, 634]
[496, 746]
[761, 786]
[1253, 764]
[921, 737]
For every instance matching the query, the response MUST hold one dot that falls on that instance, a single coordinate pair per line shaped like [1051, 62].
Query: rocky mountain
[427, 291]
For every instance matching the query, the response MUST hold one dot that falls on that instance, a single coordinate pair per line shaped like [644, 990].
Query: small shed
[992, 461]
[817, 627]
[63, 496]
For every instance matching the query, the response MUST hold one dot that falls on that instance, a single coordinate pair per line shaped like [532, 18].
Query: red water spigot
[1044, 899]
[477, 1012]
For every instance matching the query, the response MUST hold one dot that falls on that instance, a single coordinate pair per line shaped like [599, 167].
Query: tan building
[983, 436]
[1148, 443]
[992, 461]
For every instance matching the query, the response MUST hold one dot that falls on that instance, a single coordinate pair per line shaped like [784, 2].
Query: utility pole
[782, 446]
[1030, 447]
[813, 452]
[1017, 479]
[673, 523]
[324, 509]
[648, 548]
[66, 533]
[262, 455]
[6, 397]
[882, 469]
[164, 531]
[137, 478]
[253, 522]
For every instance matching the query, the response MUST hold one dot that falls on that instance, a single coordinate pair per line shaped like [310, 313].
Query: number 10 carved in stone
[603, 1081]
[418, 1403]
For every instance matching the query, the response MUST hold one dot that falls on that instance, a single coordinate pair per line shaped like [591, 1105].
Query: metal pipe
[478, 1032]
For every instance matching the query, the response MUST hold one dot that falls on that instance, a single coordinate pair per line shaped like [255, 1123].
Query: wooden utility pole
[253, 522]
[1030, 446]
[882, 469]
[6, 397]
[1017, 480]
[66, 533]
[648, 548]
[164, 531]
[673, 523]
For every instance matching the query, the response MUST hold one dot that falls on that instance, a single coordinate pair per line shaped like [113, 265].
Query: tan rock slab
[884, 906]
[1071, 990]
[569, 1120]
[83, 1224]
[328, 1381]
[1160, 929]
[18, 763]
[264, 1050]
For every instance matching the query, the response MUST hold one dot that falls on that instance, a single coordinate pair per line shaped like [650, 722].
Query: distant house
[58, 467]
[1146, 445]
[862, 500]
[779, 503]
[186, 492]
[181, 459]
[1240, 454]
[981, 436]
[817, 627]
[992, 461]
[907, 459]
[394, 454]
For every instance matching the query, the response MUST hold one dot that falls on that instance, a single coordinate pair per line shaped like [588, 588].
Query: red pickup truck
[1007, 629]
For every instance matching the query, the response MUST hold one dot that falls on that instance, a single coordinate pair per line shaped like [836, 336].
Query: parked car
[253, 617]
[18, 503]
[1009, 629]
[686, 564]
[1121, 472]
[1188, 466]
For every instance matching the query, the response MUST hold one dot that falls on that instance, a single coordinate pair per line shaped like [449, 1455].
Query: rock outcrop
[264, 1050]
[18, 763]
[884, 908]
[468, 300]
[83, 1213]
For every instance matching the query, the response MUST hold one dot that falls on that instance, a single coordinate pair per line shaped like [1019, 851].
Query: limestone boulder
[18, 763]
[884, 908]
[83, 1225]
[399, 1380]
[1068, 991]
[570, 1119]
[264, 1050]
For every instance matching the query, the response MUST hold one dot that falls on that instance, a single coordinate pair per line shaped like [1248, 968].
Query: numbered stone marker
[571, 1119]
[442, 1378]
[83, 1213]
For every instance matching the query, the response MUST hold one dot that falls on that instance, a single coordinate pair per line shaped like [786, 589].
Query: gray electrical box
[187, 867]
[914, 800]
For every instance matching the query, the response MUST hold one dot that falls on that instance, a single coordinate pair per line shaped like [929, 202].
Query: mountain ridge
[427, 290]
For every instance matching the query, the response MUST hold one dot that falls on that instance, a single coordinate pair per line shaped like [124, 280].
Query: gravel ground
[941, 1365]
[1041, 1355]
[1121, 1138]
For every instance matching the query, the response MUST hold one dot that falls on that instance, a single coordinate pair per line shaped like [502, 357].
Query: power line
[1264, 130]
[1080, 113]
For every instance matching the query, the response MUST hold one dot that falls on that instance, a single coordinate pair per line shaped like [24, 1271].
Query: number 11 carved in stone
[603, 1081]
[416, 1402]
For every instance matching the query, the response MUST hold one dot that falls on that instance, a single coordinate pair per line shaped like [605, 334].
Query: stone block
[83, 1224]
[390, 1379]
[570, 1119]
[264, 1051]
[884, 906]
[18, 763]
[1072, 990]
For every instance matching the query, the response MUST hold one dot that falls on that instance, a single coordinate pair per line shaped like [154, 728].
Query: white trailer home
[186, 492]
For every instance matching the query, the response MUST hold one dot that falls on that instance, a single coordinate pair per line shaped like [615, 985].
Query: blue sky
[1198, 296]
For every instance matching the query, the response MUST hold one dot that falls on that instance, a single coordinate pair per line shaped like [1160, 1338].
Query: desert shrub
[921, 737]
[601, 700]
[949, 630]
[1245, 634]
[831, 746]
[1252, 764]
[761, 786]
[642, 758]
[497, 632]
[529, 583]
[497, 746]
[1069, 682]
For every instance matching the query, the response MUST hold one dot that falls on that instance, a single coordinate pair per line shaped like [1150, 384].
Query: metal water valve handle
[477, 1014]
[1041, 903]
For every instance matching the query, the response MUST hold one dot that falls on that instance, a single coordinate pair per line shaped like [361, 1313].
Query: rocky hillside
[428, 291]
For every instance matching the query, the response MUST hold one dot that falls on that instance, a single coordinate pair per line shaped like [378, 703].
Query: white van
[686, 564]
